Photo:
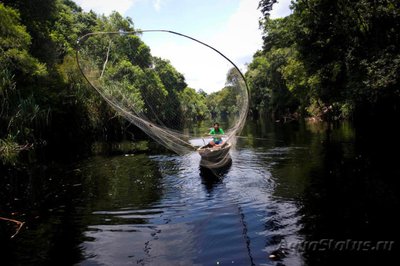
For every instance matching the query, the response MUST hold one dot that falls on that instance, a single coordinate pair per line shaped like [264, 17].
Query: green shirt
[220, 132]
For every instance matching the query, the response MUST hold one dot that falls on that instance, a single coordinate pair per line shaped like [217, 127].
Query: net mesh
[153, 95]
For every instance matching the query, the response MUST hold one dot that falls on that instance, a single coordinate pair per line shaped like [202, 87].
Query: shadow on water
[214, 176]
[295, 183]
[349, 202]
[61, 208]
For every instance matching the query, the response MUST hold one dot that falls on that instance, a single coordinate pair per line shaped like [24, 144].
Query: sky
[230, 26]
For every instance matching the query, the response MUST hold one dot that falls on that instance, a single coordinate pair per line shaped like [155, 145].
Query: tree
[332, 56]
[349, 40]
[174, 83]
[266, 6]
[15, 43]
[20, 113]
[39, 16]
[193, 104]
[271, 93]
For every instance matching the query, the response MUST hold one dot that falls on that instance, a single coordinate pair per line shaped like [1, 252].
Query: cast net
[167, 84]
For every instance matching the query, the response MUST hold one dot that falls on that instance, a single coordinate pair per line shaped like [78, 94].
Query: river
[295, 194]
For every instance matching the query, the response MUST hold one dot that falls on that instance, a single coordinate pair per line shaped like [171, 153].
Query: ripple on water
[232, 220]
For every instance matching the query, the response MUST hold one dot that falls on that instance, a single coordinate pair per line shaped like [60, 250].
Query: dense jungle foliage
[328, 60]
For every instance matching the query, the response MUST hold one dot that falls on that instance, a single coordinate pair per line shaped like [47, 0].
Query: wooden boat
[214, 156]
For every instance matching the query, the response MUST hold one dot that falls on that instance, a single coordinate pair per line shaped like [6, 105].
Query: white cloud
[281, 9]
[241, 36]
[106, 6]
[239, 39]
[157, 4]
[203, 68]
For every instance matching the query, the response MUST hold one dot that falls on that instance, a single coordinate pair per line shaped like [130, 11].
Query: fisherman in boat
[216, 133]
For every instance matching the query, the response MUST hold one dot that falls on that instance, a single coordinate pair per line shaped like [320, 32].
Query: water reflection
[202, 216]
[213, 177]
[351, 195]
[286, 184]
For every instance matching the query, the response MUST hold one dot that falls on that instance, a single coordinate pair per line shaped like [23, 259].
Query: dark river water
[295, 194]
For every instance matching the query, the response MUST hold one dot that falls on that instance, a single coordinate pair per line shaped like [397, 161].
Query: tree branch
[19, 224]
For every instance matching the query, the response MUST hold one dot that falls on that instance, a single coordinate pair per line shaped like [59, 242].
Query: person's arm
[221, 131]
